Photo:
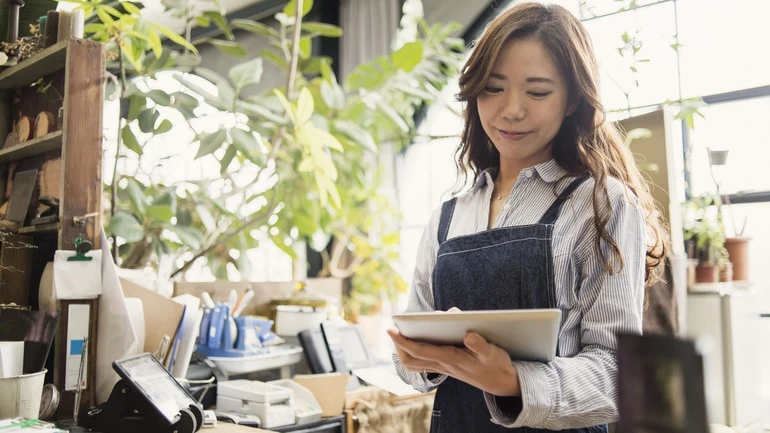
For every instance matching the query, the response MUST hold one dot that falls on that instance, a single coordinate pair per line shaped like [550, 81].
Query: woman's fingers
[419, 356]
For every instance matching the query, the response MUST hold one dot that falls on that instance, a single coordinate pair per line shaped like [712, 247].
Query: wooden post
[81, 192]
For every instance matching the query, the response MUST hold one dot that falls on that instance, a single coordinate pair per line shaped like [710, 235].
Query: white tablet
[527, 335]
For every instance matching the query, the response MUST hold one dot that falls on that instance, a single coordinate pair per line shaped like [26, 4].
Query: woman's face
[524, 103]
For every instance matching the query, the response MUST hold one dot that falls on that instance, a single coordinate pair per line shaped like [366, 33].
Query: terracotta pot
[738, 250]
[706, 274]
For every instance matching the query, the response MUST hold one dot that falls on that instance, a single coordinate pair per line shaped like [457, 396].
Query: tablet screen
[161, 389]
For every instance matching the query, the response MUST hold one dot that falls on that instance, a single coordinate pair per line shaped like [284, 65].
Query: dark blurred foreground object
[660, 386]
[35, 328]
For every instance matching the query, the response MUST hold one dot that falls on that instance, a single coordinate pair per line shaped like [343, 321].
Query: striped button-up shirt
[578, 388]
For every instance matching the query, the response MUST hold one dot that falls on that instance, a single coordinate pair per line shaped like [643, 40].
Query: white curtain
[369, 26]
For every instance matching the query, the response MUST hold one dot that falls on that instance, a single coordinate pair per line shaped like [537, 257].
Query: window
[724, 45]
[740, 127]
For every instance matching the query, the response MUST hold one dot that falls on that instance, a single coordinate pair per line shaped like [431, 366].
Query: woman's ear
[571, 108]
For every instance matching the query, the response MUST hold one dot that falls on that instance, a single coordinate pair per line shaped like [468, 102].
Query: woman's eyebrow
[540, 80]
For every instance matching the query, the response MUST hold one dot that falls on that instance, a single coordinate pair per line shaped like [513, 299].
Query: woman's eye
[539, 94]
[493, 90]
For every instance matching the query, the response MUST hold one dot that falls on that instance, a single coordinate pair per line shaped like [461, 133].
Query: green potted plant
[704, 236]
[311, 149]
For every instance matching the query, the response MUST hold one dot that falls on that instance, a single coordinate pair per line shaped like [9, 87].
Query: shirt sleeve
[421, 300]
[580, 391]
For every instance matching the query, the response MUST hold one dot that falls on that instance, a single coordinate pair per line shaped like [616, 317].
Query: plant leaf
[162, 213]
[281, 244]
[211, 142]
[291, 7]
[358, 134]
[246, 74]
[275, 59]
[408, 56]
[184, 100]
[254, 27]
[153, 40]
[147, 120]
[135, 192]
[246, 142]
[229, 47]
[175, 37]
[130, 141]
[188, 235]
[126, 226]
[322, 29]
[304, 48]
[286, 106]
[164, 127]
[224, 163]
[221, 22]
[159, 97]
[131, 8]
[304, 106]
[391, 114]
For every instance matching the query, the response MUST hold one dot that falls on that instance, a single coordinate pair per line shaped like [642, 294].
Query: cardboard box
[162, 317]
[328, 389]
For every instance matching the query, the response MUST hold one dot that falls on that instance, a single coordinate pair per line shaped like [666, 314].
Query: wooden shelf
[42, 228]
[37, 146]
[41, 64]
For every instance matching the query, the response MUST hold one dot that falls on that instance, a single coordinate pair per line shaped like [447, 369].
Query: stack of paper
[11, 358]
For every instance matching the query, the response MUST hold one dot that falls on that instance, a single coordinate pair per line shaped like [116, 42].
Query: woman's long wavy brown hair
[586, 142]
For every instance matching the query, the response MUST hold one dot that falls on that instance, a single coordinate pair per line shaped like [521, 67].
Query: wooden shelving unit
[44, 63]
[37, 146]
[42, 228]
[69, 164]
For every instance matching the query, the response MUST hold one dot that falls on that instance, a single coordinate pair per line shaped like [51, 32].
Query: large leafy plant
[296, 163]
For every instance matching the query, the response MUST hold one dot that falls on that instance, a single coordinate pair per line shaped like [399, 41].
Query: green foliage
[705, 231]
[295, 164]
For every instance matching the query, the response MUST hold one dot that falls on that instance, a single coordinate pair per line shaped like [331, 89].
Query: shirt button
[528, 173]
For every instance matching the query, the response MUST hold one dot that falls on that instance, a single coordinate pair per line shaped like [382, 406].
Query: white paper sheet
[77, 332]
[77, 279]
[116, 338]
[11, 358]
[188, 334]
[385, 378]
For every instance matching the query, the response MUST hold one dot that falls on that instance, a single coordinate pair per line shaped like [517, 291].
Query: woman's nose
[513, 108]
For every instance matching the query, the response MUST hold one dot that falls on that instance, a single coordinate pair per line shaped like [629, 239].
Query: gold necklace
[500, 197]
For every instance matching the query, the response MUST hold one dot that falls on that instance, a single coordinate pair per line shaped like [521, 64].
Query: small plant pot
[726, 273]
[738, 251]
[706, 274]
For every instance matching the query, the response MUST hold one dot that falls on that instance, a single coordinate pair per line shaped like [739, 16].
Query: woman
[557, 217]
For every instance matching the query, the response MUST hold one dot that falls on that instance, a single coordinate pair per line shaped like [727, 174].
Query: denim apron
[502, 268]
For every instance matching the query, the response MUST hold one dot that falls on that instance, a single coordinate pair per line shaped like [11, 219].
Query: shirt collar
[550, 171]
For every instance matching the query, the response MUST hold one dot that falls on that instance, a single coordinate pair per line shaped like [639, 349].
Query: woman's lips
[513, 135]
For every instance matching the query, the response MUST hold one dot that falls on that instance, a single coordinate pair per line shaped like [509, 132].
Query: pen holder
[252, 332]
[20, 395]
[221, 335]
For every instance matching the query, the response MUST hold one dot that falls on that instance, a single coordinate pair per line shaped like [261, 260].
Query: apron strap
[447, 210]
[549, 217]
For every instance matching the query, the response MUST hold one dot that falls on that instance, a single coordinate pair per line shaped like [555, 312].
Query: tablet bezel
[453, 326]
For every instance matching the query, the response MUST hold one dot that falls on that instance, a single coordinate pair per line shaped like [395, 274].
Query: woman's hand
[479, 363]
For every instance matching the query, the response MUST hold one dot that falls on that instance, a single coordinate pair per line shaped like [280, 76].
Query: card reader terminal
[274, 405]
